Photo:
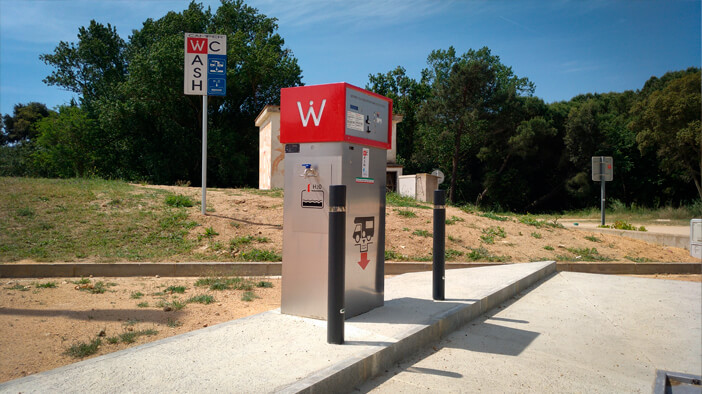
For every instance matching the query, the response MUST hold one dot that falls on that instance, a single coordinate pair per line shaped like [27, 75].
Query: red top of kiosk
[335, 112]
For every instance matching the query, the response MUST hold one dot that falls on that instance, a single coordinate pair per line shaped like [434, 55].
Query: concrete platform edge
[350, 373]
[75, 270]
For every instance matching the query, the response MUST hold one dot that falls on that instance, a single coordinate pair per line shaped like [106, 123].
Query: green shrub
[261, 255]
[179, 200]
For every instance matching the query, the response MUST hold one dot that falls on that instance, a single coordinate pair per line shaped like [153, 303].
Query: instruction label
[354, 120]
[364, 163]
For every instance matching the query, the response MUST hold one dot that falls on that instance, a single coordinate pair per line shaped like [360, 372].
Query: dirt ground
[38, 325]
[237, 212]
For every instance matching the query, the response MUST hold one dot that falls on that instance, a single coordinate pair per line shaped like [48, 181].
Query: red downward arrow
[364, 260]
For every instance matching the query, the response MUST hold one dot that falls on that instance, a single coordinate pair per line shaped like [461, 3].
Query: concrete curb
[75, 270]
[632, 268]
[351, 373]
[678, 241]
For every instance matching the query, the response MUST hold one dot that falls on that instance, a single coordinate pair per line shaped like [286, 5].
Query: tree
[468, 94]
[22, 125]
[64, 147]
[92, 67]
[407, 95]
[668, 122]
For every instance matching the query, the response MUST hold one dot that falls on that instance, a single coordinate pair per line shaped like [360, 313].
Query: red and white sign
[205, 64]
[335, 113]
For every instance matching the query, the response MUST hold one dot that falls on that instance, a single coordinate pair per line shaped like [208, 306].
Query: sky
[566, 47]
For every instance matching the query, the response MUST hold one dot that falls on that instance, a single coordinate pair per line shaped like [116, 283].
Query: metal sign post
[205, 74]
[602, 171]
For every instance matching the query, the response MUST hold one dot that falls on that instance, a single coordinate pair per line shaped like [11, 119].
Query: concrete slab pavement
[271, 352]
[573, 333]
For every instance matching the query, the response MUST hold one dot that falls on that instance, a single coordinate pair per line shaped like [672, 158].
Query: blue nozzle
[308, 166]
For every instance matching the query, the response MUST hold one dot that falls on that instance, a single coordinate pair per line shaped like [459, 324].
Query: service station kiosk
[335, 134]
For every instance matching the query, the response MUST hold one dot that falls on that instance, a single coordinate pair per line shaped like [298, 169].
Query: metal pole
[204, 154]
[439, 269]
[337, 264]
[602, 188]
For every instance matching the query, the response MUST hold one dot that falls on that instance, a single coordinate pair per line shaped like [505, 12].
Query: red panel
[303, 119]
[197, 45]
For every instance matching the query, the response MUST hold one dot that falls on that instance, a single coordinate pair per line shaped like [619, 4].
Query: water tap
[309, 171]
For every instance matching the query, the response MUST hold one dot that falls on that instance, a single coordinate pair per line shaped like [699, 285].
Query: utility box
[418, 186]
[696, 238]
[334, 134]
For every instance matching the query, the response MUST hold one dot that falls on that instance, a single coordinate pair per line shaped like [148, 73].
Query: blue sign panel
[216, 75]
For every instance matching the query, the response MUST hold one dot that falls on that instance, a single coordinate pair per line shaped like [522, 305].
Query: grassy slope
[69, 220]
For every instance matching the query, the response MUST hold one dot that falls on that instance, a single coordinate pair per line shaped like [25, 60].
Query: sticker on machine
[312, 197]
[364, 163]
[354, 121]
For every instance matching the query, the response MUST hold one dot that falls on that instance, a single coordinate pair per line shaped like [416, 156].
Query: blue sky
[564, 47]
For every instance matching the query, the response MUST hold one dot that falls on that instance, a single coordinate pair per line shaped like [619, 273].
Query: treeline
[502, 148]
[132, 120]
[468, 115]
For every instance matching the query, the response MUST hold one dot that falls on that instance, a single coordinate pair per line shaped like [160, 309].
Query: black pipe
[337, 264]
[439, 253]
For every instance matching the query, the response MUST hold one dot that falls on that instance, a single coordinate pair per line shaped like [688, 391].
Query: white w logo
[197, 45]
[310, 111]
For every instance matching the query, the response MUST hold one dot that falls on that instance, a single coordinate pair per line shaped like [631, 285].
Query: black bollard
[337, 264]
[439, 262]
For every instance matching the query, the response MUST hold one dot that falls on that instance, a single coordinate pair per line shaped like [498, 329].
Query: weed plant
[175, 289]
[264, 284]
[260, 255]
[201, 299]
[82, 349]
[490, 233]
[249, 296]
[638, 259]
[47, 285]
[547, 247]
[422, 233]
[583, 254]
[532, 221]
[454, 220]
[395, 200]
[493, 216]
[452, 254]
[536, 235]
[405, 213]
[593, 238]
[135, 295]
[179, 200]
[393, 256]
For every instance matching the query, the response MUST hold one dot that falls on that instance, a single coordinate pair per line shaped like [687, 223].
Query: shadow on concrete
[495, 339]
[406, 310]
[432, 371]
[508, 320]
[141, 315]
